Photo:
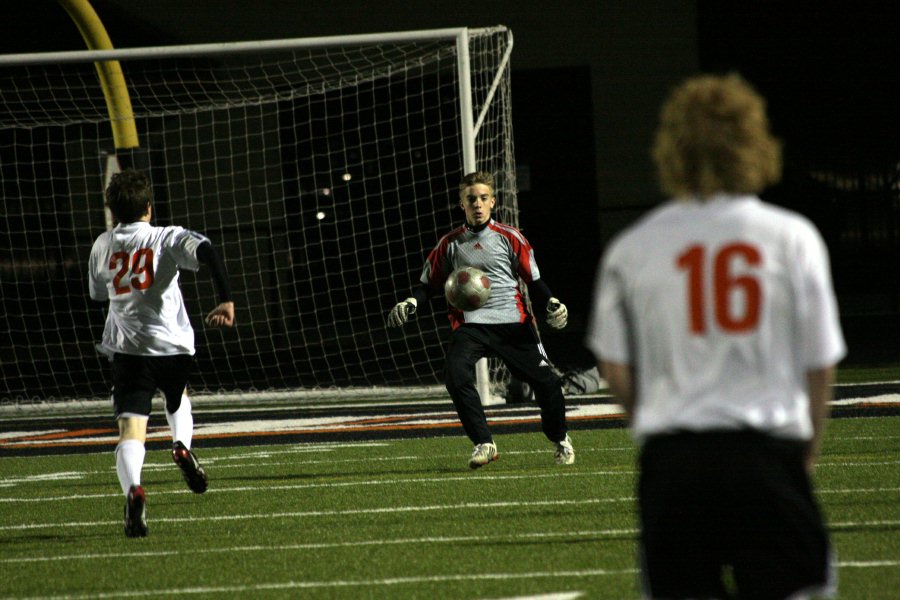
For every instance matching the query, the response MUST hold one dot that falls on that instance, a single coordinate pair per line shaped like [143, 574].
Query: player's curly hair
[476, 178]
[713, 136]
[128, 195]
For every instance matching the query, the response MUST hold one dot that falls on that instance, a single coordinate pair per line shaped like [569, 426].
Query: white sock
[182, 422]
[129, 461]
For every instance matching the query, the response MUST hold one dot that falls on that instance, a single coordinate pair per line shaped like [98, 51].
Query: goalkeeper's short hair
[476, 178]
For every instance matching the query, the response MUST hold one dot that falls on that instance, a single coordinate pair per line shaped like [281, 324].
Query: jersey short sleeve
[97, 286]
[822, 342]
[608, 332]
[183, 244]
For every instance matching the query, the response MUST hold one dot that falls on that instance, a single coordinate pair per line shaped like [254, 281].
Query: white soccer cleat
[565, 453]
[482, 455]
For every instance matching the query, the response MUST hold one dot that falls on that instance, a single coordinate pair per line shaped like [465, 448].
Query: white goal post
[324, 170]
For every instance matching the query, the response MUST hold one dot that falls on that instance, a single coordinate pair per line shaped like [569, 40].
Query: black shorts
[740, 500]
[136, 379]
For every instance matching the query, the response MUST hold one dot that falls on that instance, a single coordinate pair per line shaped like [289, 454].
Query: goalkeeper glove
[557, 314]
[400, 313]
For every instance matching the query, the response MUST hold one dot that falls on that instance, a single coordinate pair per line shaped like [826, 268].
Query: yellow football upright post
[112, 80]
[115, 91]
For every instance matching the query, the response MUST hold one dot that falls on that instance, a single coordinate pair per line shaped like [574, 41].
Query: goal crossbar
[249, 47]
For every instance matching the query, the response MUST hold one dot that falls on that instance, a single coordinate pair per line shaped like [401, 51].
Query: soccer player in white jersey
[715, 323]
[502, 327]
[148, 334]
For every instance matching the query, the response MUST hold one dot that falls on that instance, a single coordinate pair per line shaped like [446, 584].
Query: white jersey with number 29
[135, 266]
[721, 307]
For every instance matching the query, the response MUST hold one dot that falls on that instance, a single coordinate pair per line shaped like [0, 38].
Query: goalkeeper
[148, 334]
[501, 328]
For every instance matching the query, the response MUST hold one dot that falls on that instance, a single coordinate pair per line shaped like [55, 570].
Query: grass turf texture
[871, 374]
[398, 519]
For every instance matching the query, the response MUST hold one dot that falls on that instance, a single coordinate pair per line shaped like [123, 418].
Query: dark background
[587, 79]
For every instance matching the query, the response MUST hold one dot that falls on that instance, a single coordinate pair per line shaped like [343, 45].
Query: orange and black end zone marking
[49, 435]
[285, 425]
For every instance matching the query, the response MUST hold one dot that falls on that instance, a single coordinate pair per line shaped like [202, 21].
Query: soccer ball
[467, 288]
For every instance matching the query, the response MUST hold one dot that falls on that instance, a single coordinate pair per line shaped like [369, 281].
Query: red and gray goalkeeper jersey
[504, 255]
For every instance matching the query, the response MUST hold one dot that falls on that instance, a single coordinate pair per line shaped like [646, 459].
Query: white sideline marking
[15, 434]
[551, 596]
[374, 482]
[547, 536]
[341, 484]
[332, 513]
[393, 581]
[327, 545]
[290, 585]
[858, 464]
[879, 399]
[852, 524]
[376, 511]
[858, 490]
[62, 476]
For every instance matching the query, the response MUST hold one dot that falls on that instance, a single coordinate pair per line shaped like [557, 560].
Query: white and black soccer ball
[467, 288]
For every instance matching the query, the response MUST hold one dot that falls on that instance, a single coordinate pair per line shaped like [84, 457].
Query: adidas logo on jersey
[477, 246]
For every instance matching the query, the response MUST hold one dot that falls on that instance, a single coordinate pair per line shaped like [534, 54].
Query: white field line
[69, 475]
[868, 564]
[339, 484]
[865, 463]
[222, 463]
[856, 524]
[335, 513]
[547, 536]
[305, 585]
[17, 434]
[391, 581]
[550, 596]
[251, 449]
[375, 482]
[383, 510]
[857, 490]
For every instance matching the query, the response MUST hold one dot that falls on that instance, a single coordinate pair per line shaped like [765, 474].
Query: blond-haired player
[716, 325]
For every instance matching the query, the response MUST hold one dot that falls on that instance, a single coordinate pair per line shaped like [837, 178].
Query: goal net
[323, 170]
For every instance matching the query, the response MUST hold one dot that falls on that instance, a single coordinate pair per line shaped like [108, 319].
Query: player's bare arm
[819, 382]
[621, 381]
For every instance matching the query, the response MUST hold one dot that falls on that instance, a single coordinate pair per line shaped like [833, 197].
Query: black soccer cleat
[193, 473]
[136, 512]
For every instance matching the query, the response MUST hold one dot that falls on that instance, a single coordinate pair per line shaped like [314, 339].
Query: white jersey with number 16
[735, 305]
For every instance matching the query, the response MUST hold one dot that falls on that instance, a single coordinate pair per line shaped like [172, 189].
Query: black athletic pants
[517, 345]
[739, 499]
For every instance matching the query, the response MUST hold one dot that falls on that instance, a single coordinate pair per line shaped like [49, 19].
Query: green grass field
[395, 519]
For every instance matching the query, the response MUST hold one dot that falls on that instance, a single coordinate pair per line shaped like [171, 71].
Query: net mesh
[323, 175]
